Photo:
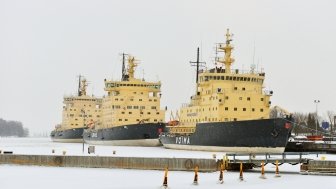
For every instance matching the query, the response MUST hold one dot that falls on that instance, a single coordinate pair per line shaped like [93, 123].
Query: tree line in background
[12, 128]
[306, 123]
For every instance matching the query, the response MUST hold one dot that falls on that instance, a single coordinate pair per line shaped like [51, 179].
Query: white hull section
[77, 140]
[252, 150]
[140, 142]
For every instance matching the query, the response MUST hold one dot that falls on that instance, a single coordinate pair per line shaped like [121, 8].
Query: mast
[123, 71]
[131, 67]
[197, 64]
[227, 49]
[83, 87]
[79, 86]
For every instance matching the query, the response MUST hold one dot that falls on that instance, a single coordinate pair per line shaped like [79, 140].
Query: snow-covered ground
[35, 177]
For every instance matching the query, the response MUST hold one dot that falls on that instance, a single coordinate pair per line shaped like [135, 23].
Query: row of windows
[244, 109]
[141, 113]
[227, 98]
[88, 110]
[131, 107]
[132, 85]
[219, 90]
[206, 119]
[141, 107]
[231, 78]
[80, 99]
[72, 115]
[226, 109]
[140, 100]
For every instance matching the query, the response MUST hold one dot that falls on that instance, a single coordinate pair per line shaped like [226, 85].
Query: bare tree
[331, 116]
[301, 126]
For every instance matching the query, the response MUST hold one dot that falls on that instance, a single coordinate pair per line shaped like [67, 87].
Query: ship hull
[74, 135]
[146, 134]
[252, 136]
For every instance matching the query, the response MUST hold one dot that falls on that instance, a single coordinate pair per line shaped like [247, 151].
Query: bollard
[214, 156]
[53, 151]
[241, 178]
[225, 162]
[196, 175]
[277, 169]
[262, 176]
[64, 152]
[165, 178]
[221, 180]
[114, 152]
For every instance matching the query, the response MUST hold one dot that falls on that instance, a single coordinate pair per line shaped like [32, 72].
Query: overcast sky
[46, 44]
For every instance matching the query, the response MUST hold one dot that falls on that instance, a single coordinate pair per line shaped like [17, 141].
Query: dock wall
[174, 164]
[319, 167]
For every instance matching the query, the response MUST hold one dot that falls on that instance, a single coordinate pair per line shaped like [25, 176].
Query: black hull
[146, 134]
[252, 136]
[310, 146]
[69, 135]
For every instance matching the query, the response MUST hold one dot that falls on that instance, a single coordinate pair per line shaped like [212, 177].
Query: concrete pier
[319, 167]
[174, 164]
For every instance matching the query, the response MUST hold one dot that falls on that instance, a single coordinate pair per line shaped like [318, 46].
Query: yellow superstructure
[82, 110]
[131, 100]
[224, 95]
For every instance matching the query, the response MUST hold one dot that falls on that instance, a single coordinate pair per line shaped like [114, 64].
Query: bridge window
[235, 109]
[248, 98]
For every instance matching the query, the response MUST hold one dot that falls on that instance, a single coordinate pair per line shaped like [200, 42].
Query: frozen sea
[36, 177]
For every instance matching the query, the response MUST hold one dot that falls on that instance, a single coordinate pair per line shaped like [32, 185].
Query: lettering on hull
[183, 140]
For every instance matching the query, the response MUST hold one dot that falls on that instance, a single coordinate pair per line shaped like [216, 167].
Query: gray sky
[45, 44]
